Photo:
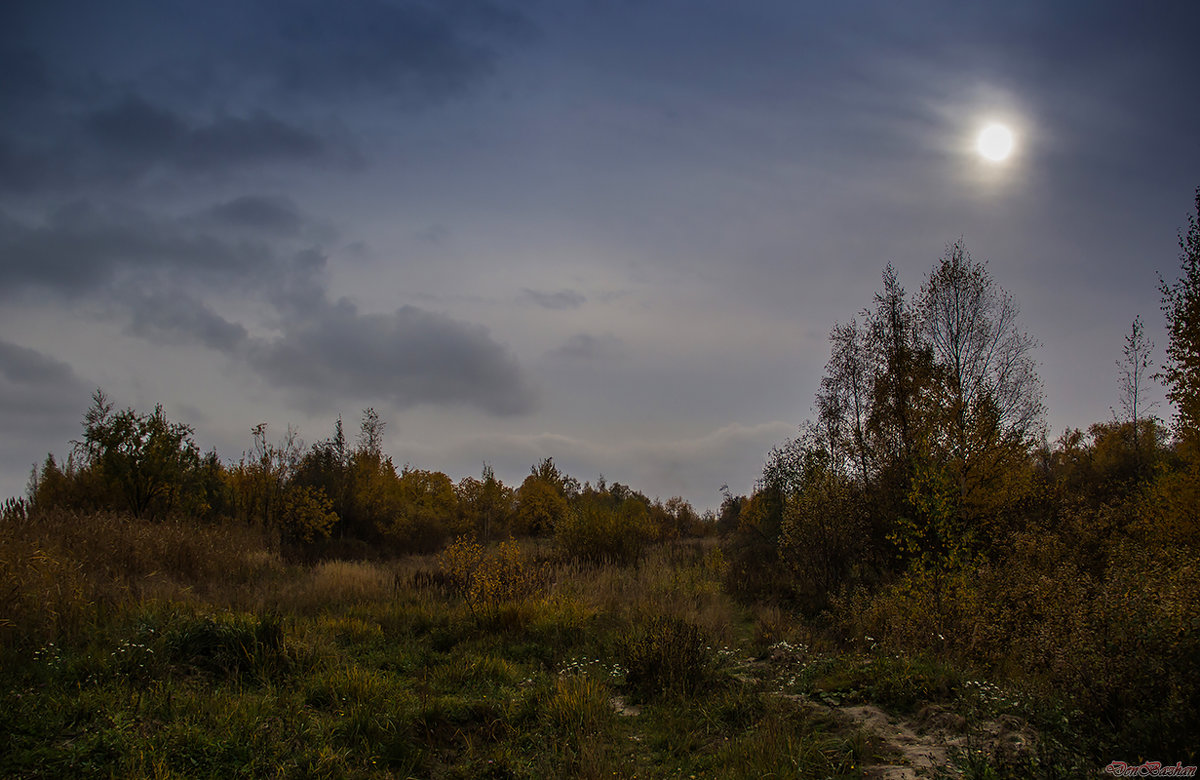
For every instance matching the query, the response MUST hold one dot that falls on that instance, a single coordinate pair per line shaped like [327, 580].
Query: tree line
[339, 493]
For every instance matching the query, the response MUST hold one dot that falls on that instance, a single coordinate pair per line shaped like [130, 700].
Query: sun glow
[995, 143]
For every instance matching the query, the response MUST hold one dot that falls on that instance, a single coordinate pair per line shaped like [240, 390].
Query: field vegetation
[920, 566]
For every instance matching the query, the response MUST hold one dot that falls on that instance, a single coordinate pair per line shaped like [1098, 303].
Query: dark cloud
[123, 143]
[275, 215]
[41, 402]
[23, 170]
[259, 138]
[174, 317]
[262, 50]
[408, 357]
[404, 49]
[106, 95]
[150, 134]
[137, 128]
[80, 248]
[142, 266]
[585, 346]
[38, 394]
[563, 299]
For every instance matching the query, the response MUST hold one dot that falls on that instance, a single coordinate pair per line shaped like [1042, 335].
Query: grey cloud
[28, 367]
[98, 100]
[408, 357]
[149, 134]
[175, 317]
[23, 170]
[37, 393]
[142, 265]
[276, 215]
[80, 248]
[137, 128]
[41, 401]
[305, 48]
[259, 138]
[299, 291]
[406, 49]
[563, 299]
[584, 346]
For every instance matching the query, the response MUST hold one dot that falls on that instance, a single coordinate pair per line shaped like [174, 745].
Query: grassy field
[137, 649]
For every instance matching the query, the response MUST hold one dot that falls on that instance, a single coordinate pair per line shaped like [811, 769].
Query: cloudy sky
[613, 233]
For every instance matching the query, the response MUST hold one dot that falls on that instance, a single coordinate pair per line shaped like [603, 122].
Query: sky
[616, 234]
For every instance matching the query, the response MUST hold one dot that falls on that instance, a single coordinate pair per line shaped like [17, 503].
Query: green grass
[400, 685]
[357, 670]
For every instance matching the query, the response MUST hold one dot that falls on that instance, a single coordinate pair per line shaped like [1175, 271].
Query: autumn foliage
[925, 508]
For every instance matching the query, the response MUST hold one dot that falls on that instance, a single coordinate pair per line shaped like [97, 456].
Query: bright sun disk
[995, 142]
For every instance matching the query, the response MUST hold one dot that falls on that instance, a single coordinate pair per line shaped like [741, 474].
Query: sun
[995, 142]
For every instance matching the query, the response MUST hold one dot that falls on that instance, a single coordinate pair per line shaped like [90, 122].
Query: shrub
[228, 644]
[307, 514]
[601, 532]
[579, 706]
[668, 655]
[489, 578]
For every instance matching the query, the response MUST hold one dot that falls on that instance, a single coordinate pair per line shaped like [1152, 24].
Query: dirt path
[921, 754]
[924, 745]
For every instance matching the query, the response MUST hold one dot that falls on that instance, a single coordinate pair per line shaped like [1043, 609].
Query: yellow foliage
[307, 514]
[540, 506]
[600, 532]
[488, 579]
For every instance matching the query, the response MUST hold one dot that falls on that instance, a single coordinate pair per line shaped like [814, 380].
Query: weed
[665, 656]
[228, 645]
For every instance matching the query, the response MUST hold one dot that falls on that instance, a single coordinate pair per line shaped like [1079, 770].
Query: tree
[485, 504]
[986, 360]
[904, 404]
[423, 510]
[1181, 305]
[260, 479]
[370, 434]
[1177, 496]
[1132, 377]
[545, 470]
[326, 466]
[823, 536]
[843, 402]
[146, 459]
[678, 519]
[989, 406]
[600, 527]
[902, 368]
[306, 514]
[731, 510]
[540, 505]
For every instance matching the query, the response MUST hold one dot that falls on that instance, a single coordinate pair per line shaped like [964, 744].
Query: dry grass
[57, 569]
[337, 584]
[672, 580]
